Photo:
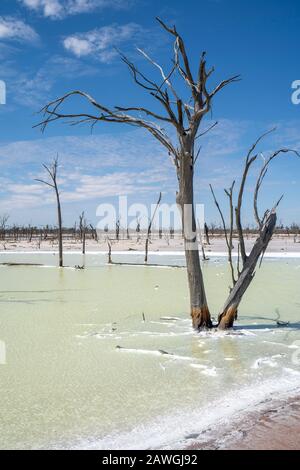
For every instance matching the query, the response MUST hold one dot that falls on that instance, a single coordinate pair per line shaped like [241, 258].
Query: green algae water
[85, 363]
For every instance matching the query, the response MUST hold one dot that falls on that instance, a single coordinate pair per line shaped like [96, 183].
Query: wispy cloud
[31, 88]
[58, 9]
[133, 149]
[92, 168]
[100, 42]
[16, 30]
[97, 168]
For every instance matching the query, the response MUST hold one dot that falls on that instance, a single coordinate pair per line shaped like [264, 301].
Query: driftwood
[20, 264]
[119, 263]
[160, 351]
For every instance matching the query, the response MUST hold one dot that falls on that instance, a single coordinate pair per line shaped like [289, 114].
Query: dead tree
[109, 250]
[243, 273]
[52, 172]
[149, 228]
[3, 221]
[185, 113]
[206, 233]
[82, 228]
[94, 233]
[138, 230]
[118, 229]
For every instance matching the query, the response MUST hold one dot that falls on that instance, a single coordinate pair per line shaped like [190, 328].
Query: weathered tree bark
[185, 199]
[60, 232]
[229, 313]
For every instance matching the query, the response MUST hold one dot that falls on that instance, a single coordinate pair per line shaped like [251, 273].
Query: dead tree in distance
[138, 229]
[3, 221]
[82, 228]
[184, 112]
[206, 231]
[149, 228]
[52, 172]
[243, 273]
[118, 224]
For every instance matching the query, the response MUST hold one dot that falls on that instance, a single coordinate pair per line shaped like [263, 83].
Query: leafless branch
[260, 179]
[250, 159]
[207, 130]
[228, 238]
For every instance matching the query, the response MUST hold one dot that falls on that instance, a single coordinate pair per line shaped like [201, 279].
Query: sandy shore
[275, 429]
[279, 244]
[274, 425]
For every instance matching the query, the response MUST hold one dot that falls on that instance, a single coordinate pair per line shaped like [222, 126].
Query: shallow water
[67, 384]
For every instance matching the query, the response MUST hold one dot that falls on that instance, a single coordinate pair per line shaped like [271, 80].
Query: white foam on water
[206, 370]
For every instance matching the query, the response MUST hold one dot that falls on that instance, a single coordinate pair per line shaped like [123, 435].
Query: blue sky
[49, 47]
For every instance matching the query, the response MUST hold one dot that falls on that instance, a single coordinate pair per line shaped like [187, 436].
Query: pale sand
[279, 244]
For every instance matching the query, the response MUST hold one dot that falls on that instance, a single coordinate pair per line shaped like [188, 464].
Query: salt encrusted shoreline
[282, 245]
[273, 425]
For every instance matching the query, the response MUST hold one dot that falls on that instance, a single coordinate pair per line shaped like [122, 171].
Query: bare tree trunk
[52, 172]
[149, 229]
[206, 234]
[109, 251]
[83, 242]
[227, 317]
[60, 235]
[185, 198]
[83, 228]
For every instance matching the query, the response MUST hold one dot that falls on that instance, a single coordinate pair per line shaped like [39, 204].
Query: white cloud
[100, 42]
[132, 149]
[33, 87]
[92, 168]
[58, 9]
[96, 168]
[14, 29]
